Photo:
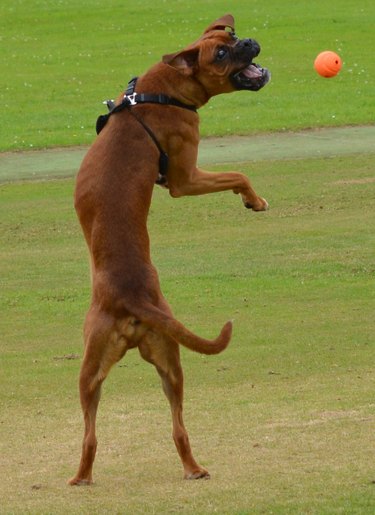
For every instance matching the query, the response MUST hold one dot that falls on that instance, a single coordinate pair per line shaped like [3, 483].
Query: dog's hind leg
[105, 344]
[163, 352]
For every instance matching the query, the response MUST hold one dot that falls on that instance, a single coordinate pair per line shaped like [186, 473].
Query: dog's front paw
[260, 205]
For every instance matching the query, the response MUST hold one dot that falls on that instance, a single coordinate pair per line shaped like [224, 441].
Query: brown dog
[152, 133]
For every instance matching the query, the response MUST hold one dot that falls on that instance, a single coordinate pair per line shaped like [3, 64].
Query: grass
[59, 60]
[283, 419]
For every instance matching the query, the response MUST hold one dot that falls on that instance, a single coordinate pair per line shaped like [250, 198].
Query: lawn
[60, 60]
[283, 419]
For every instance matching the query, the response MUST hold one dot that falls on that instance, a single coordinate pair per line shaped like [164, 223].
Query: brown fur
[112, 199]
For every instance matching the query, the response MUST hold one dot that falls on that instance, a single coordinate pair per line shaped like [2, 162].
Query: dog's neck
[159, 79]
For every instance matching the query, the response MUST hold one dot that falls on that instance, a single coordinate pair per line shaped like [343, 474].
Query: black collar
[131, 98]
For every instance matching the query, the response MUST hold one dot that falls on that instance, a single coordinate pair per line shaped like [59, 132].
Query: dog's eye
[222, 53]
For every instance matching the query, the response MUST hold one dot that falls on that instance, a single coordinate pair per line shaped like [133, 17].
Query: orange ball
[328, 64]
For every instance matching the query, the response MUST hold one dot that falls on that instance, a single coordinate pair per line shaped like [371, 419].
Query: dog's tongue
[252, 72]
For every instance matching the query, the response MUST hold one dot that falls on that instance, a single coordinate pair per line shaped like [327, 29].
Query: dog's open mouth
[253, 77]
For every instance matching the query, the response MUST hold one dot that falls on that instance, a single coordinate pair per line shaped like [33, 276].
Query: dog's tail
[170, 326]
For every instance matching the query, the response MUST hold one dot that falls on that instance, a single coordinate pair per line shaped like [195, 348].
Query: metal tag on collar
[132, 98]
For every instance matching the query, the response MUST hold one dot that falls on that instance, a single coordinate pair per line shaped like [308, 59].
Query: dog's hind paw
[76, 481]
[198, 474]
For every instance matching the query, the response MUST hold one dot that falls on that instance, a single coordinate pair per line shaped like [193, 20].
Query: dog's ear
[183, 61]
[226, 21]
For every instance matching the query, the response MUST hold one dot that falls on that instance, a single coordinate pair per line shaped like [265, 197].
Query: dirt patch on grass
[308, 144]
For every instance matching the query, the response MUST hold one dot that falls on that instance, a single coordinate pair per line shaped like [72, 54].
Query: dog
[151, 136]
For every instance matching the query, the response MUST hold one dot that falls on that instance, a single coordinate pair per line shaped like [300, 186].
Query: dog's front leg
[200, 182]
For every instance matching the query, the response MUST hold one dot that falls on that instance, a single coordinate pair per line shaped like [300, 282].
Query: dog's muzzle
[252, 77]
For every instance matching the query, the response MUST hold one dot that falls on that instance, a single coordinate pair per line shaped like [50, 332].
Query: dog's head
[221, 61]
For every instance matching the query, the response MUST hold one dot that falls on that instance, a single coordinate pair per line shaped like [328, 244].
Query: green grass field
[59, 60]
[283, 419]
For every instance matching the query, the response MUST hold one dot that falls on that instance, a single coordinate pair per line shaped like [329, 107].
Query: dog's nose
[251, 44]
